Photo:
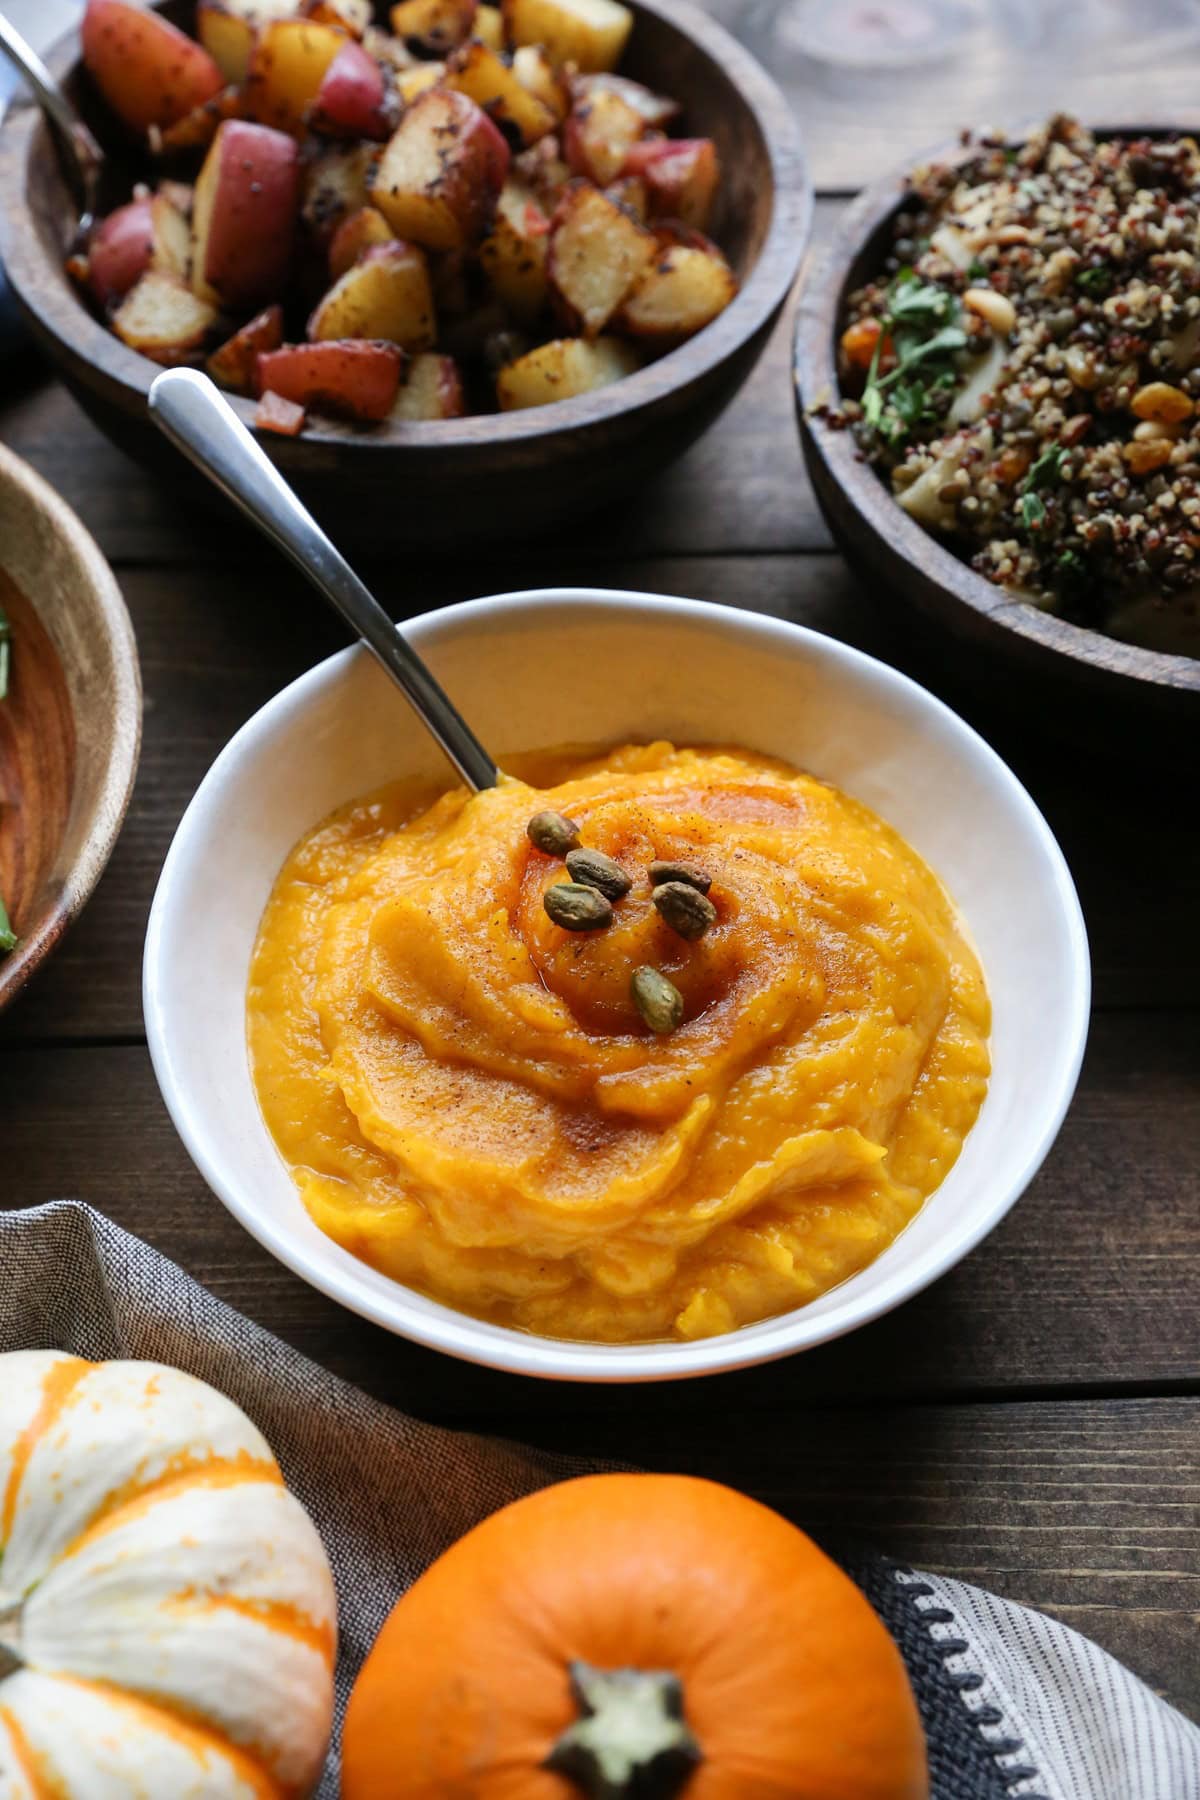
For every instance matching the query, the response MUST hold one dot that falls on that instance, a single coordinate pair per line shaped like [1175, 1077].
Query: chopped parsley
[917, 323]
[1033, 511]
[1097, 280]
[8, 937]
[1045, 472]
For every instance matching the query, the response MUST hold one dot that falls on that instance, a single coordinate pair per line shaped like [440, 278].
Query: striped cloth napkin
[1016, 1707]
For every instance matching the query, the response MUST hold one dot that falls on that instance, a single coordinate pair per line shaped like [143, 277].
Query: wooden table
[1032, 1422]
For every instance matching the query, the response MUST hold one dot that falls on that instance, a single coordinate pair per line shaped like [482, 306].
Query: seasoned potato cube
[432, 389]
[597, 254]
[234, 362]
[287, 68]
[514, 252]
[534, 70]
[244, 215]
[353, 100]
[683, 291]
[493, 85]
[336, 185]
[148, 70]
[599, 135]
[433, 27]
[353, 15]
[542, 168]
[418, 80]
[274, 413]
[440, 176]
[562, 369]
[385, 295]
[656, 109]
[172, 236]
[589, 33]
[681, 176]
[162, 318]
[197, 129]
[228, 29]
[488, 27]
[355, 234]
[355, 379]
[630, 192]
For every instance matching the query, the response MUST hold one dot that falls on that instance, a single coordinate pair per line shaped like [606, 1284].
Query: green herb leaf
[1071, 566]
[1033, 511]
[8, 937]
[913, 302]
[1097, 280]
[1046, 471]
[977, 270]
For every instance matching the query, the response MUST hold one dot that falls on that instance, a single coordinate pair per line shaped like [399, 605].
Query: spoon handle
[192, 413]
[85, 153]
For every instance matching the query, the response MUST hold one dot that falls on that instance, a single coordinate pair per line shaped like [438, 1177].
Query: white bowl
[579, 665]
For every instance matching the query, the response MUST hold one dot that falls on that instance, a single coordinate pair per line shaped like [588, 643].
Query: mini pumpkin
[634, 1635]
[167, 1614]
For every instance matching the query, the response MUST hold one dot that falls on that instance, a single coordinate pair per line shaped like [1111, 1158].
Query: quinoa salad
[1025, 372]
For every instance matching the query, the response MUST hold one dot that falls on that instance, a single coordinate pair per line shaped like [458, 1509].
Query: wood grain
[1088, 1283]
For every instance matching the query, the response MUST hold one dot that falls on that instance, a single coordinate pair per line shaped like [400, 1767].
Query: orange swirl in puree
[468, 1099]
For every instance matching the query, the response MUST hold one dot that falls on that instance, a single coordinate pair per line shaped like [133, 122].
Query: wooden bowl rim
[111, 801]
[66, 317]
[815, 376]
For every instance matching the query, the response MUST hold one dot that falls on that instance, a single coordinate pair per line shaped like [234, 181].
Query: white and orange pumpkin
[167, 1614]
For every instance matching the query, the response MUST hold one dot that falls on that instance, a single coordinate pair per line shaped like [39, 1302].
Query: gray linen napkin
[1016, 1707]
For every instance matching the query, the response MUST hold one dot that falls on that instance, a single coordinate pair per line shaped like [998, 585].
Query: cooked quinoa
[1027, 373]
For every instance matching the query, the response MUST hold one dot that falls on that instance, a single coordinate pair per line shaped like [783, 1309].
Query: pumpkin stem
[631, 1741]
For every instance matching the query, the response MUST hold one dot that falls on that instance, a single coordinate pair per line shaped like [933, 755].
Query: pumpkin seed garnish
[685, 909]
[552, 834]
[658, 1000]
[679, 871]
[576, 907]
[596, 870]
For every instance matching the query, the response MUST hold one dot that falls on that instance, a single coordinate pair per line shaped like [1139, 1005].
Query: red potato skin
[476, 163]
[353, 99]
[253, 221]
[680, 175]
[149, 72]
[120, 251]
[356, 378]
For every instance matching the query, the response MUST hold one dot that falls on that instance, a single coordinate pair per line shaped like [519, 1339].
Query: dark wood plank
[1090, 1282]
[215, 646]
[1085, 1510]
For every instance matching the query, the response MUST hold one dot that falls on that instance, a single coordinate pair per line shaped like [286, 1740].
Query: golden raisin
[1159, 401]
[1144, 458]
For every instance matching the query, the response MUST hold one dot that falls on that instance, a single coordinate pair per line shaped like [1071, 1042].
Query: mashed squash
[469, 1100]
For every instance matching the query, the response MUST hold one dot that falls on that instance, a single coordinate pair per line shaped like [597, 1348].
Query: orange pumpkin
[623, 1635]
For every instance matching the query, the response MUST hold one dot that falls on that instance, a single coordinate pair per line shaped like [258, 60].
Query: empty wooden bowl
[71, 722]
[511, 474]
[1001, 641]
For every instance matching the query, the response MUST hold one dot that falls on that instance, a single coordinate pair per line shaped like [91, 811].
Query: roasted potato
[354, 16]
[149, 72]
[163, 318]
[591, 34]
[290, 60]
[233, 364]
[681, 177]
[599, 135]
[244, 215]
[515, 250]
[494, 86]
[386, 294]
[683, 291]
[228, 29]
[335, 185]
[433, 27]
[432, 389]
[354, 379]
[353, 100]
[441, 174]
[356, 233]
[562, 369]
[597, 253]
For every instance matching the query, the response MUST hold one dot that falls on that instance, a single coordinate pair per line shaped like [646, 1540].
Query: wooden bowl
[71, 723]
[1003, 640]
[457, 481]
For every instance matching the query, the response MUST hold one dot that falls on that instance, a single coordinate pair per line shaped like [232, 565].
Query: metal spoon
[205, 427]
[82, 154]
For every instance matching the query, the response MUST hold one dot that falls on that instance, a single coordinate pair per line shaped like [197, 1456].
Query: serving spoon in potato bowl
[82, 155]
[192, 412]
